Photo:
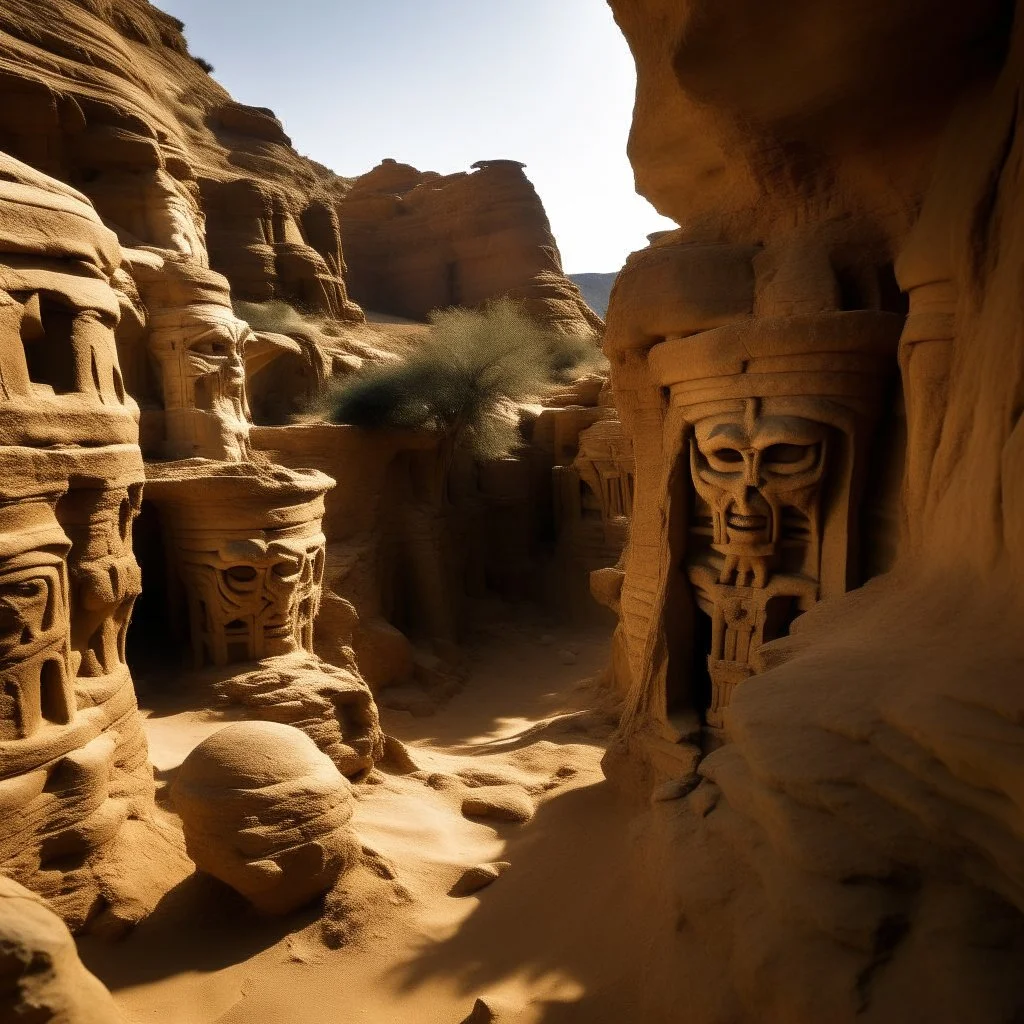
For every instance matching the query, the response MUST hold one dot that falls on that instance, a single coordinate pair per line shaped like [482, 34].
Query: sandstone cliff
[105, 96]
[821, 376]
[418, 240]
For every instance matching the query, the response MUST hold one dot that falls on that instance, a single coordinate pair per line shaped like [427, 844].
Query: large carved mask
[35, 670]
[213, 362]
[761, 476]
[265, 594]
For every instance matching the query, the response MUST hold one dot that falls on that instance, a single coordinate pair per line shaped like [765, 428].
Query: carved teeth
[738, 522]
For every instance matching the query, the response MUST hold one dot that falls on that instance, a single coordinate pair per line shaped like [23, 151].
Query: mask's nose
[747, 500]
[752, 470]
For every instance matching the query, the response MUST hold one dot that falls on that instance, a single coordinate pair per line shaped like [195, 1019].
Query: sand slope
[549, 940]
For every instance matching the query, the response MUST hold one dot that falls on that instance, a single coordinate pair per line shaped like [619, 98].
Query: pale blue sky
[443, 83]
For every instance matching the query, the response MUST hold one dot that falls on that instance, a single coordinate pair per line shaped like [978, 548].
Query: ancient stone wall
[119, 109]
[107, 97]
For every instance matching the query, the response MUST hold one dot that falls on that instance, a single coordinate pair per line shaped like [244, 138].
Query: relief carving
[35, 652]
[774, 419]
[253, 599]
[248, 552]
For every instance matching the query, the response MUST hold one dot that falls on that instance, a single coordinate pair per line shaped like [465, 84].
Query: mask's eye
[790, 458]
[241, 577]
[728, 455]
[286, 571]
[219, 349]
[725, 460]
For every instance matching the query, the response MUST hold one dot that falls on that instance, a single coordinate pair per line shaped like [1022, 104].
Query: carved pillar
[775, 416]
[359, 523]
[605, 466]
[247, 550]
[73, 763]
[35, 618]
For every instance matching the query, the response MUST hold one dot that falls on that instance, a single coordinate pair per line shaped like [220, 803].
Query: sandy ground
[549, 941]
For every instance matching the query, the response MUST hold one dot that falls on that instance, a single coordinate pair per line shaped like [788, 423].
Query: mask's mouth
[746, 524]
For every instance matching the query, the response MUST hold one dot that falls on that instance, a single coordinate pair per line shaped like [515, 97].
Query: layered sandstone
[822, 678]
[119, 109]
[109, 296]
[418, 241]
[74, 775]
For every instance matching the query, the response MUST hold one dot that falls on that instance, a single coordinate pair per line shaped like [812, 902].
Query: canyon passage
[389, 635]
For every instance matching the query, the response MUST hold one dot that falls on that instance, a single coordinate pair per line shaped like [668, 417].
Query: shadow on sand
[213, 928]
[561, 916]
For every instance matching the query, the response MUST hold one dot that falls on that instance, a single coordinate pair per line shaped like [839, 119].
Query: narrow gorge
[388, 637]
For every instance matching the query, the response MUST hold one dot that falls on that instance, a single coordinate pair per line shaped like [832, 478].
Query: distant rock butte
[418, 241]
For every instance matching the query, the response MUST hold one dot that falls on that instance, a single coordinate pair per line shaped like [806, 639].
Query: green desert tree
[465, 380]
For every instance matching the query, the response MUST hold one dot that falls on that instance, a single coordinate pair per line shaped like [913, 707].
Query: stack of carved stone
[73, 763]
[242, 537]
[90, 321]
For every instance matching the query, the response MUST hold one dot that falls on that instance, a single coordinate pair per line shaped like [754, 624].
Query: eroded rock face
[419, 241]
[41, 977]
[73, 764]
[332, 705]
[94, 322]
[816, 376]
[127, 116]
[267, 813]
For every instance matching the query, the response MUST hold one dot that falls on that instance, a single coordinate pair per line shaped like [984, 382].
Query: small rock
[443, 782]
[481, 1014]
[567, 657]
[475, 777]
[506, 803]
[476, 878]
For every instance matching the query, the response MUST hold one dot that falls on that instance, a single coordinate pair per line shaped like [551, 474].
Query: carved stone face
[272, 586]
[35, 669]
[213, 365]
[261, 597]
[749, 468]
[29, 603]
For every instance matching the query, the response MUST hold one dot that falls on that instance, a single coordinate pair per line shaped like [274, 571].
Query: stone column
[247, 549]
[73, 760]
